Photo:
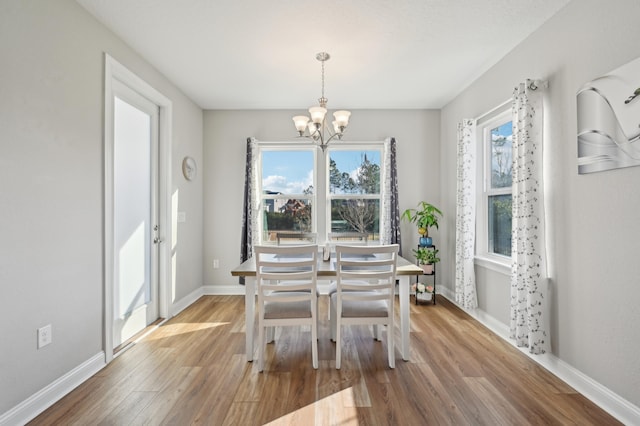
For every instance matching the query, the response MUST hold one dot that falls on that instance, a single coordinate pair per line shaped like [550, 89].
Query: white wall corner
[612, 403]
[28, 409]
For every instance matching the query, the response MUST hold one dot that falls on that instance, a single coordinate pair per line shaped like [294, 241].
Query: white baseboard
[612, 403]
[223, 290]
[186, 301]
[28, 409]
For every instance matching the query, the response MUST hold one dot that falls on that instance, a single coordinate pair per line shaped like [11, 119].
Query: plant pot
[426, 242]
[424, 297]
[427, 269]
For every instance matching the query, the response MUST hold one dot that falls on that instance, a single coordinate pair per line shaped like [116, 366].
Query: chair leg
[377, 332]
[314, 338]
[271, 334]
[390, 345]
[332, 321]
[261, 347]
[338, 343]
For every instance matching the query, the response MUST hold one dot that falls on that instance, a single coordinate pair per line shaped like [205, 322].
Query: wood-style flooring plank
[193, 370]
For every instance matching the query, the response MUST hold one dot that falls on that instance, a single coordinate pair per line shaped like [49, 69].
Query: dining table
[327, 271]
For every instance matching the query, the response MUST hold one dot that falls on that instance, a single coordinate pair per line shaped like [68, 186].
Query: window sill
[494, 263]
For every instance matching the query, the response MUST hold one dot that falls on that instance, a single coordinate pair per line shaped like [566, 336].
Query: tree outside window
[354, 187]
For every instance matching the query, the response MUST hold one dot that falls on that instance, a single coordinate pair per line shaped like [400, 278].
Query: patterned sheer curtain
[465, 280]
[249, 219]
[528, 253]
[390, 209]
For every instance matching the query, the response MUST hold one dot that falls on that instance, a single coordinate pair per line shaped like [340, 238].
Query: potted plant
[425, 217]
[423, 292]
[426, 258]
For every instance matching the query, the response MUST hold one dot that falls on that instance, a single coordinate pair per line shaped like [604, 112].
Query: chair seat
[280, 309]
[360, 309]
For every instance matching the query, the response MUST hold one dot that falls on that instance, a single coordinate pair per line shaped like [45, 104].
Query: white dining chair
[286, 278]
[366, 280]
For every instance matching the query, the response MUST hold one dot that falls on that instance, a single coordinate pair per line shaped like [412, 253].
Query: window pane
[500, 224]
[501, 143]
[285, 215]
[356, 216]
[287, 172]
[354, 172]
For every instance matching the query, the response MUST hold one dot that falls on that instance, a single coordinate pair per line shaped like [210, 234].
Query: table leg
[249, 309]
[404, 316]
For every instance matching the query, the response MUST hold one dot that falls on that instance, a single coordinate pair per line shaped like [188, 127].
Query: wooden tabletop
[325, 268]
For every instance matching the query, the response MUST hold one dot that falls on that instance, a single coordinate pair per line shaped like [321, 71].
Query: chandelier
[316, 127]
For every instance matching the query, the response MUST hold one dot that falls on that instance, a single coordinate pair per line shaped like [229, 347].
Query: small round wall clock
[189, 168]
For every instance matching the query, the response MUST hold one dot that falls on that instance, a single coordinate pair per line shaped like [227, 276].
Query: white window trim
[320, 216]
[484, 257]
[363, 146]
[287, 146]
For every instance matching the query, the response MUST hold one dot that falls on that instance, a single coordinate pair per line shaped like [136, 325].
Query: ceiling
[258, 54]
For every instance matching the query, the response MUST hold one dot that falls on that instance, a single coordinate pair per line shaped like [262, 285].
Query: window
[495, 209]
[287, 195]
[354, 192]
[303, 189]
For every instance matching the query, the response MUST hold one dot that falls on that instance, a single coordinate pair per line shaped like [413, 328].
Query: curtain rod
[532, 84]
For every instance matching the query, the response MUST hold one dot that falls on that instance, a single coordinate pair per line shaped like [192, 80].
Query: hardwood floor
[192, 370]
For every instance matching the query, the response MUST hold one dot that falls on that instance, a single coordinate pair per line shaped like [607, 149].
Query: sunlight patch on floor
[336, 409]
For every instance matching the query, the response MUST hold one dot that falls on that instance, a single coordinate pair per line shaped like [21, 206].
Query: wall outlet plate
[44, 336]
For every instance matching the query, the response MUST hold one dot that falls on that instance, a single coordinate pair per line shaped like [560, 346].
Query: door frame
[116, 71]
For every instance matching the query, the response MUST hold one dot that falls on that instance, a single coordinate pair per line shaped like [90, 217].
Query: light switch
[182, 217]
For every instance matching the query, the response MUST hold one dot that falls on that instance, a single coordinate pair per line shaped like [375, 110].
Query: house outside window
[287, 195]
[302, 189]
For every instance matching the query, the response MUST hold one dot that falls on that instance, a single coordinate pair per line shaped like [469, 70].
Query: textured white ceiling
[258, 54]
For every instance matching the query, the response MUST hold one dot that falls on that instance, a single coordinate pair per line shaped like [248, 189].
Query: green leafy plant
[426, 255]
[425, 217]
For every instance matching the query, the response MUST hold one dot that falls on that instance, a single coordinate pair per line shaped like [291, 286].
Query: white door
[135, 212]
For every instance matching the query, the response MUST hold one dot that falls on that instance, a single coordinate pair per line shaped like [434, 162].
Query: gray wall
[593, 224]
[51, 190]
[225, 134]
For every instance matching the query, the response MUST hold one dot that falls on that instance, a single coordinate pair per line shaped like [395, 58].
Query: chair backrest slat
[281, 270]
[366, 268]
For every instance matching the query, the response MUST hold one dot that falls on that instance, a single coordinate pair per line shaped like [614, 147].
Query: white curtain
[528, 270]
[465, 284]
[250, 212]
[390, 210]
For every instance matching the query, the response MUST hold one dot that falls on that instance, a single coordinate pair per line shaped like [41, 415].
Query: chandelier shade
[315, 127]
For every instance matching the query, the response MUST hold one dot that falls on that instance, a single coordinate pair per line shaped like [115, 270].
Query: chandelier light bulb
[313, 128]
[342, 117]
[317, 114]
[301, 122]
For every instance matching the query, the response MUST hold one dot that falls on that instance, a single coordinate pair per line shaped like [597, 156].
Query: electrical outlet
[44, 336]
[216, 263]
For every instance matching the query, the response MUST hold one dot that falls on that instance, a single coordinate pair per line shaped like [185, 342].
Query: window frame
[321, 198]
[281, 146]
[361, 147]
[484, 256]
